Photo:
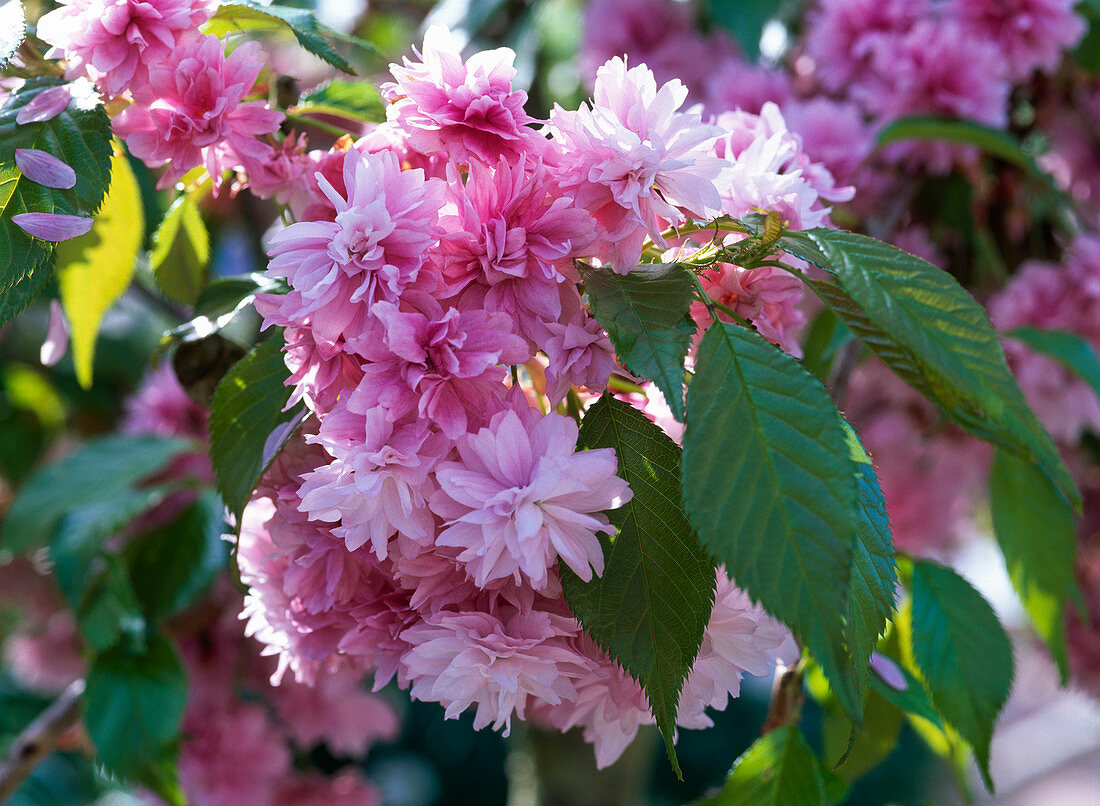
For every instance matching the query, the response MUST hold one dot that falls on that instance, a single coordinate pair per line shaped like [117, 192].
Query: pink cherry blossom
[465, 109]
[768, 296]
[580, 355]
[498, 663]
[373, 249]
[735, 85]
[634, 162]
[520, 497]
[445, 365]
[196, 113]
[116, 42]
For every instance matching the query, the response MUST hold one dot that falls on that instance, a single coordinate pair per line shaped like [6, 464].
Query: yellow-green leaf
[181, 251]
[95, 269]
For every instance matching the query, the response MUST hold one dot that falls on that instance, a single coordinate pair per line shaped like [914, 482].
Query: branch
[786, 704]
[39, 739]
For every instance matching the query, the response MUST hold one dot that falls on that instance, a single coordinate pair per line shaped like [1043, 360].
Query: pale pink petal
[46, 105]
[57, 337]
[44, 168]
[889, 671]
[53, 226]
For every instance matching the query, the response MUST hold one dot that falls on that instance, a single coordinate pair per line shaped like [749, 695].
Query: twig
[39, 739]
[786, 705]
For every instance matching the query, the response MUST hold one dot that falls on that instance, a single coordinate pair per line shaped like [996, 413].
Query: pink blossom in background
[372, 250]
[768, 296]
[336, 711]
[1030, 33]
[519, 498]
[445, 365]
[494, 662]
[735, 84]
[660, 34]
[633, 161]
[1083, 635]
[195, 112]
[843, 36]
[377, 484]
[466, 109]
[509, 240]
[116, 42]
[161, 406]
[740, 639]
[833, 133]
[346, 788]
[47, 657]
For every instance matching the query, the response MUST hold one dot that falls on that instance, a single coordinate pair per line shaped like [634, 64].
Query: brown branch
[786, 704]
[39, 739]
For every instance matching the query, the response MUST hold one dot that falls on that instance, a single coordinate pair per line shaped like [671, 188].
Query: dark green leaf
[913, 699]
[933, 334]
[133, 704]
[1087, 52]
[247, 409]
[1036, 530]
[873, 578]
[16, 298]
[649, 609]
[173, 566]
[78, 136]
[1068, 348]
[245, 15]
[963, 654]
[13, 29]
[780, 769]
[353, 100]
[101, 471]
[745, 21]
[824, 339]
[876, 739]
[646, 314]
[181, 251]
[996, 142]
[221, 302]
[769, 484]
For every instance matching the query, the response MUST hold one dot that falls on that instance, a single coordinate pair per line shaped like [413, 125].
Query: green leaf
[769, 484]
[174, 566]
[1036, 530]
[932, 333]
[996, 142]
[247, 409]
[352, 100]
[181, 251]
[822, 344]
[104, 469]
[876, 739]
[133, 703]
[1087, 52]
[252, 16]
[745, 21]
[1071, 350]
[779, 769]
[16, 298]
[913, 699]
[13, 29]
[646, 314]
[963, 654]
[649, 609]
[95, 269]
[873, 576]
[221, 301]
[79, 136]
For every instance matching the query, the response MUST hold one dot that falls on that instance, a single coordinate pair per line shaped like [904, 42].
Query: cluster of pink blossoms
[416, 531]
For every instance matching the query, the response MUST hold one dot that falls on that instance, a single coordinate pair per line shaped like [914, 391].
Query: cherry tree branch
[39, 739]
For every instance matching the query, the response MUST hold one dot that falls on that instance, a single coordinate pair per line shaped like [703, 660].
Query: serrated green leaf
[779, 769]
[14, 300]
[102, 470]
[78, 136]
[247, 408]
[769, 484]
[933, 334]
[356, 100]
[963, 655]
[94, 270]
[1037, 532]
[133, 703]
[303, 23]
[13, 29]
[1071, 350]
[181, 251]
[649, 609]
[646, 314]
[873, 577]
[173, 566]
[876, 739]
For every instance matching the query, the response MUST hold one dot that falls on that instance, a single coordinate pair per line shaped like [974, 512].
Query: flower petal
[52, 226]
[57, 338]
[46, 105]
[44, 168]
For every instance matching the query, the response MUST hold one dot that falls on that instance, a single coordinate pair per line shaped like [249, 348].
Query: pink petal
[57, 338]
[52, 226]
[889, 671]
[46, 105]
[44, 168]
